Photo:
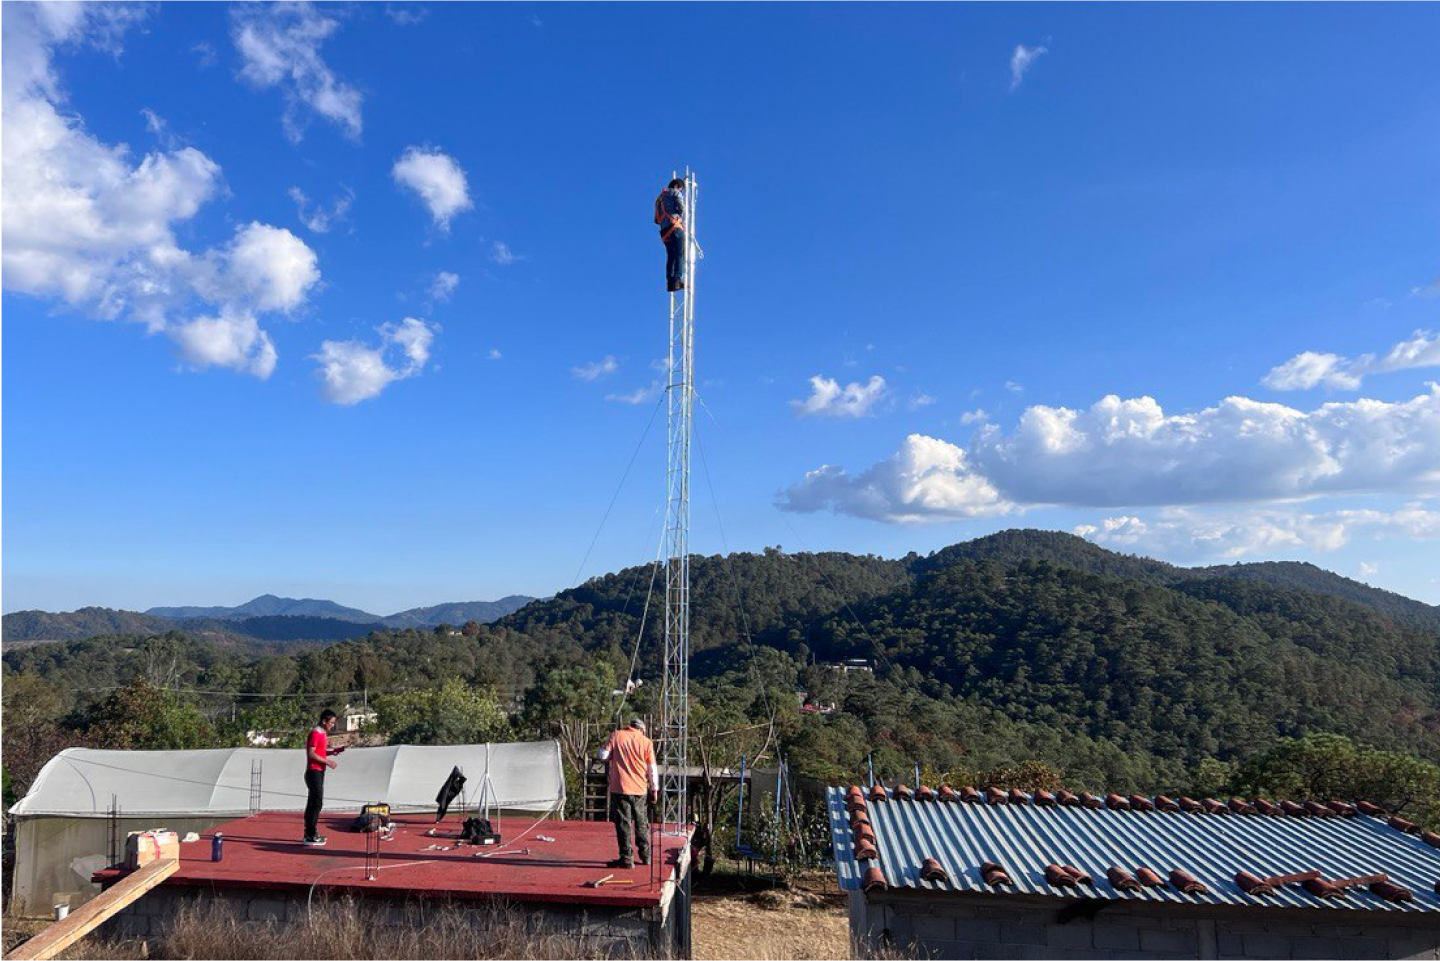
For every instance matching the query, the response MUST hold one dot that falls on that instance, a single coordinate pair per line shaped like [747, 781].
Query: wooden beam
[94, 912]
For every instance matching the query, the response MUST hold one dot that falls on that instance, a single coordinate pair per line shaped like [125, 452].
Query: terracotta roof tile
[931, 870]
[1318, 810]
[1115, 802]
[923, 793]
[1374, 810]
[1121, 879]
[1090, 801]
[1187, 883]
[1068, 799]
[1213, 806]
[1149, 878]
[903, 793]
[1430, 838]
[994, 875]
[1043, 799]
[1400, 824]
[1191, 806]
[1293, 810]
[1166, 804]
[1057, 876]
[993, 795]
[1323, 889]
[865, 851]
[878, 792]
[970, 795]
[1390, 891]
[1141, 803]
[1240, 806]
[1252, 885]
[1080, 876]
[1264, 806]
[947, 794]
[1342, 809]
[874, 880]
[1017, 796]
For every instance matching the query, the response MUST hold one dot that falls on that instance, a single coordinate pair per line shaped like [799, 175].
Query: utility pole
[679, 406]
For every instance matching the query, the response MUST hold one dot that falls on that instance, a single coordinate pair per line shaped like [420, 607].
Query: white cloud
[1121, 453]
[205, 55]
[1309, 369]
[828, 399]
[1014, 387]
[406, 14]
[438, 180]
[639, 395]
[926, 480]
[351, 371]
[921, 400]
[596, 369]
[1021, 61]
[1431, 289]
[1369, 569]
[87, 225]
[232, 340]
[444, 285]
[319, 219]
[494, 354]
[269, 267]
[501, 254]
[976, 416]
[1228, 535]
[279, 46]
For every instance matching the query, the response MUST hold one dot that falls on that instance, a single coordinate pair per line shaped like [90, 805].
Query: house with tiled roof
[970, 873]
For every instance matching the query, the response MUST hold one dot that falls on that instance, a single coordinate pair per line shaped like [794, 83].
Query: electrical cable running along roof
[1071, 846]
[79, 782]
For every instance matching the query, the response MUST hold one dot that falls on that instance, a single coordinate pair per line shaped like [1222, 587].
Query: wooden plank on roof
[94, 912]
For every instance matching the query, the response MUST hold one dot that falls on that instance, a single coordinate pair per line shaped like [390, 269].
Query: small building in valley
[1006, 874]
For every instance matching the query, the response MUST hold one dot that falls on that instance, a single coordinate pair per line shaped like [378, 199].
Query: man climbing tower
[670, 216]
[633, 775]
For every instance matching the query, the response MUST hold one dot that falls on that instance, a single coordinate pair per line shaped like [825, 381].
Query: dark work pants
[632, 825]
[675, 260]
[315, 784]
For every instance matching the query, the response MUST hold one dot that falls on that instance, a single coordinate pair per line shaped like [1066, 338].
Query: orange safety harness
[660, 215]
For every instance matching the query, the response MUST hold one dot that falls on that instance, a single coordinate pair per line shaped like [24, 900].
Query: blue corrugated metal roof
[1214, 848]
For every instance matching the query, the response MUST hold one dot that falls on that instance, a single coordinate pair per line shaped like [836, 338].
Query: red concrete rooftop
[264, 851]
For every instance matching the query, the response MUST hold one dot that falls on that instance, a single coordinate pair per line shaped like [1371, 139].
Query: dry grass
[769, 925]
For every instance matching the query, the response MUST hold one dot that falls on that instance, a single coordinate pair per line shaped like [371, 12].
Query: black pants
[632, 825]
[675, 260]
[315, 784]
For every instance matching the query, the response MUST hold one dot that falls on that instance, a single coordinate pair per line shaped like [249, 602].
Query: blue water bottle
[217, 847]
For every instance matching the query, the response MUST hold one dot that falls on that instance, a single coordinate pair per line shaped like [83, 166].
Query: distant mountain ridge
[268, 605]
[266, 618]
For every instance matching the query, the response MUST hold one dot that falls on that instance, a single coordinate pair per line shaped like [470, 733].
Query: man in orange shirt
[633, 776]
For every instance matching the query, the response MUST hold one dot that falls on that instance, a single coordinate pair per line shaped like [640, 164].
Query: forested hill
[1124, 671]
[1067, 550]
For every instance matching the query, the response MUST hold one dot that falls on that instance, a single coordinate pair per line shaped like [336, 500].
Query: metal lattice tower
[680, 406]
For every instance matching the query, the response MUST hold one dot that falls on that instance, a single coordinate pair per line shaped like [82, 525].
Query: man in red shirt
[318, 758]
[633, 775]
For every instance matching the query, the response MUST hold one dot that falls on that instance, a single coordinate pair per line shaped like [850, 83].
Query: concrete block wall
[611, 932]
[950, 926]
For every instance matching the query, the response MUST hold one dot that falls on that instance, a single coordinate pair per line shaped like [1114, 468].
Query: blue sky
[362, 301]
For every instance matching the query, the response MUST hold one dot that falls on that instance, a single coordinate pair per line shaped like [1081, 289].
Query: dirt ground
[771, 925]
